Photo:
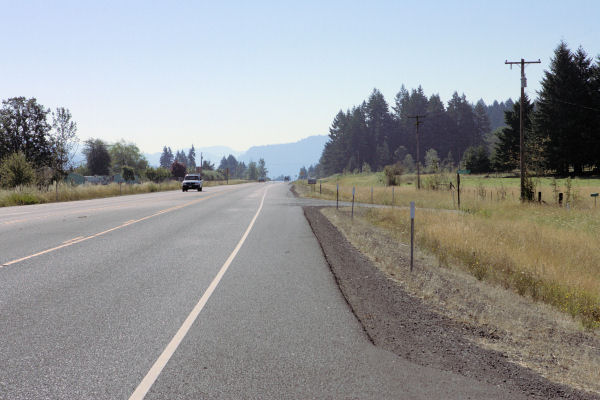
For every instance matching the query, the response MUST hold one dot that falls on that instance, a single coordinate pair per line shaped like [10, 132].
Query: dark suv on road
[191, 181]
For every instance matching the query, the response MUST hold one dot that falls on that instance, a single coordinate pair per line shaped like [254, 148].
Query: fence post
[337, 196]
[352, 202]
[320, 187]
[539, 197]
[412, 233]
[458, 188]
[392, 196]
[560, 199]
[371, 194]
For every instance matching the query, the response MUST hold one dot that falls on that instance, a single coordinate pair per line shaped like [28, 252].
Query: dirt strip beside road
[404, 325]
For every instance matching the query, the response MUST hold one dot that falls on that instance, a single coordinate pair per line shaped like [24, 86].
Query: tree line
[239, 169]
[562, 127]
[38, 146]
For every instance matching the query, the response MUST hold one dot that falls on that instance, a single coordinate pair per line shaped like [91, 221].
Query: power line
[577, 105]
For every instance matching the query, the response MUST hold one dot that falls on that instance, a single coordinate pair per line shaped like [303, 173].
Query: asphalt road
[93, 292]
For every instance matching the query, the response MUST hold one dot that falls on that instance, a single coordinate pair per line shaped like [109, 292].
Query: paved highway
[222, 294]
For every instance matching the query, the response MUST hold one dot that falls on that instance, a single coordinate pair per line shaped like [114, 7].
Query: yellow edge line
[83, 239]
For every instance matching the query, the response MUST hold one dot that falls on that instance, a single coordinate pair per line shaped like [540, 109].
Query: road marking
[72, 240]
[131, 222]
[168, 352]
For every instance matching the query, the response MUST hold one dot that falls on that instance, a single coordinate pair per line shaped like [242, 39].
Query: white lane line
[72, 240]
[162, 360]
[130, 222]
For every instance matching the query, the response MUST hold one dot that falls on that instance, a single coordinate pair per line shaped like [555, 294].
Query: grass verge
[66, 192]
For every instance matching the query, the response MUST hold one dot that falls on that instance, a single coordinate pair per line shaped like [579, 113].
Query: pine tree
[553, 118]
[166, 158]
[507, 150]
[191, 158]
[181, 158]
[463, 132]
[482, 121]
[378, 124]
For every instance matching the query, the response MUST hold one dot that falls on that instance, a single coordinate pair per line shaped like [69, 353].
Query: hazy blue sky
[251, 73]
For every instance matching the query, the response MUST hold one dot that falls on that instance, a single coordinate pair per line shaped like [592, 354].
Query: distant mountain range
[280, 159]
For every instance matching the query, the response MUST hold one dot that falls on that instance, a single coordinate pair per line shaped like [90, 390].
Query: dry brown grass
[557, 265]
[529, 332]
[548, 252]
[67, 192]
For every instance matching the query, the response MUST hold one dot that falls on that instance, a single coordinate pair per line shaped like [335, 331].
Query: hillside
[287, 158]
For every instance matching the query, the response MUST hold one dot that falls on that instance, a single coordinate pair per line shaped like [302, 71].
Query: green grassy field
[548, 252]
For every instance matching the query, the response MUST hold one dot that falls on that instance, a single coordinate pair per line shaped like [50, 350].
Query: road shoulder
[404, 325]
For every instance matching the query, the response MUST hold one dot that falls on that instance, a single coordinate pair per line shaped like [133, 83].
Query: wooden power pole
[521, 122]
[418, 166]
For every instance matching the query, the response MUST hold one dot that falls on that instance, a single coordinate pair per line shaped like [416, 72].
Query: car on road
[191, 181]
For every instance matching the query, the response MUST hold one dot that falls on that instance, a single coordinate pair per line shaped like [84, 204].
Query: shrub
[441, 180]
[212, 175]
[178, 170]
[15, 170]
[128, 174]
[393, 173]
[21, 199]
[432, 161]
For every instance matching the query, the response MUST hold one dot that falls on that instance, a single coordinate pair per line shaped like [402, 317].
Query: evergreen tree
[583, 112]
[507, 150]
[166, 158]
[191, 159]
[476, 159]
[252, 172]
[181, 158]
[437, 127]
[495, 113]
[303, 174]
[262, 169]
[378, 126]
[553, 118]
[207, 166]
[482, 121]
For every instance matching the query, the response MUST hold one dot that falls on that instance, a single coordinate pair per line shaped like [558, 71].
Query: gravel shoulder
[410, 328]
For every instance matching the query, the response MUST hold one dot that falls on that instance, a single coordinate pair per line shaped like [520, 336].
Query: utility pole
[418, 166]
[200, 162]
[521, 122]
